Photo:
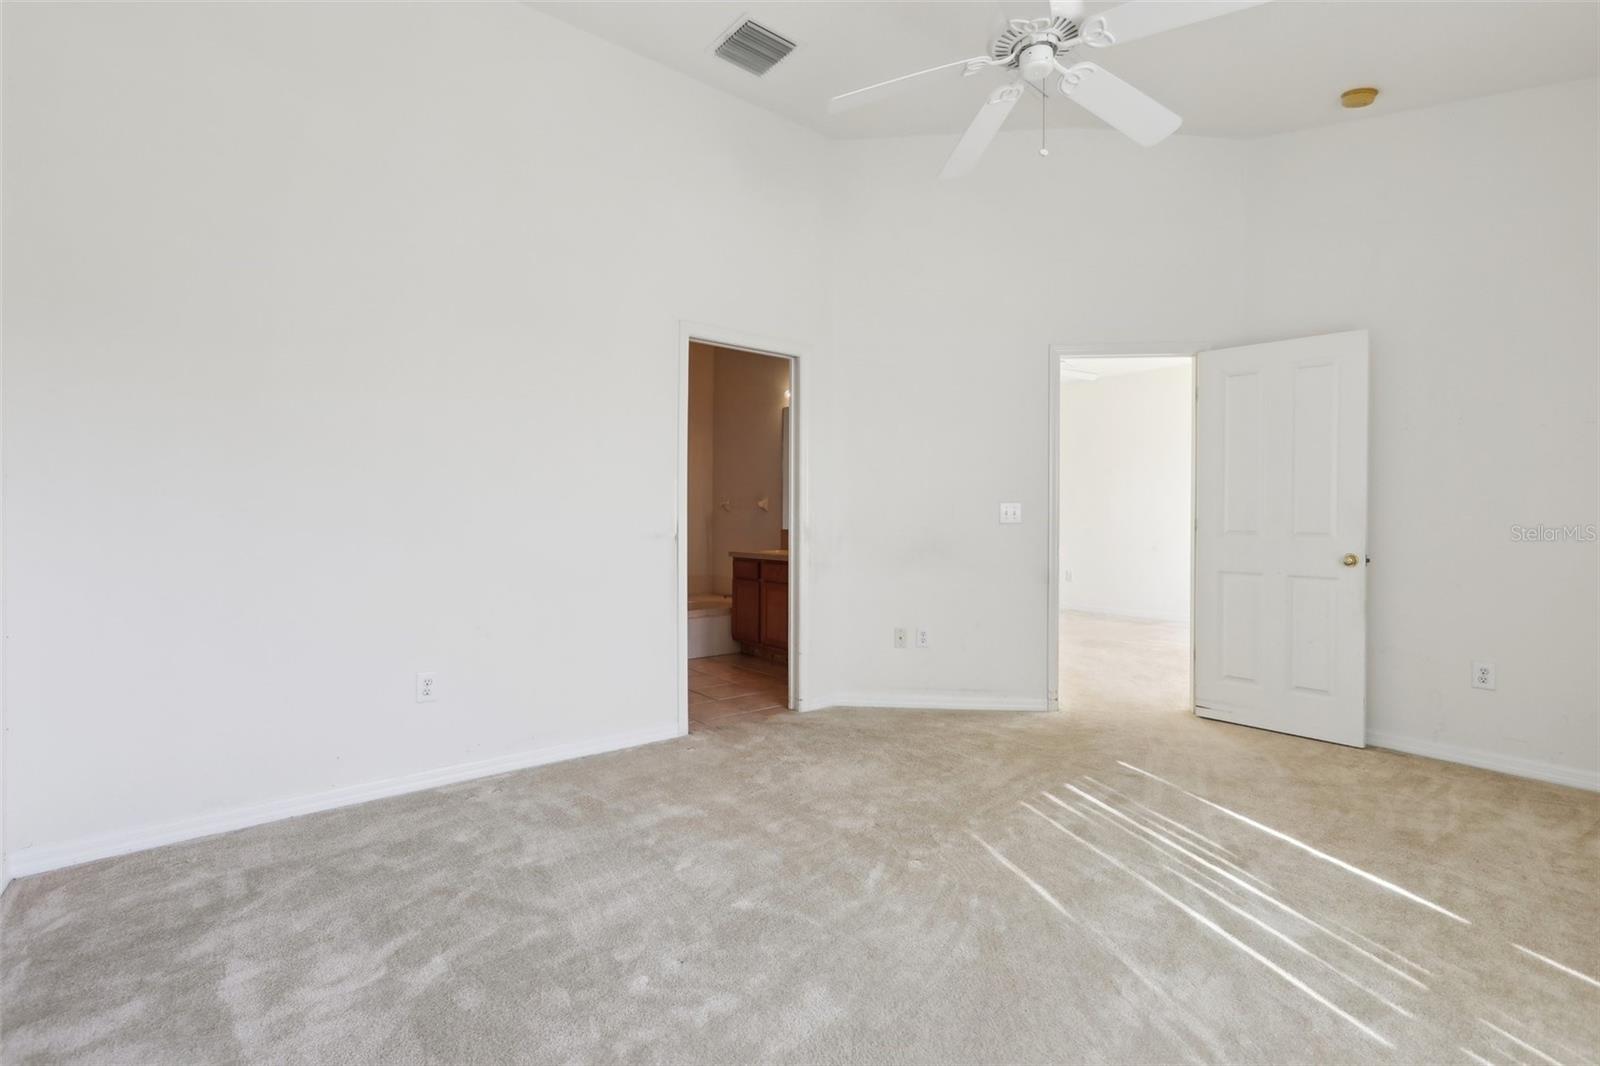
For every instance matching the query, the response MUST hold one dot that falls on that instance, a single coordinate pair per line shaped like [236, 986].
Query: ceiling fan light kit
[1036, 50]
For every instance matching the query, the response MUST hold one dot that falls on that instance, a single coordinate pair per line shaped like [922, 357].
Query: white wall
[945, 299]
[5, 866]
[341, 321]
[1127, 444]
[347, 347]
[1464, 238]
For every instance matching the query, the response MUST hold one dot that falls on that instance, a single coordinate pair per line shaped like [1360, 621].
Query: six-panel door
[1281, 536]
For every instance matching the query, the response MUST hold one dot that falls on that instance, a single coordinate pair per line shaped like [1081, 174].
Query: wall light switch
[1010, 514]
[899, 636]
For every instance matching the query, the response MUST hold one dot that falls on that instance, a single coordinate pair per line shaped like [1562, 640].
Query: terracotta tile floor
[735, 688]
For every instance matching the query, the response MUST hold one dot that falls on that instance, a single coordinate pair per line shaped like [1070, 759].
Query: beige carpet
[858, 886]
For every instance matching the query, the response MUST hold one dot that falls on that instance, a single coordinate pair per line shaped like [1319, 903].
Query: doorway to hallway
[1276, 527]
[1125, 520]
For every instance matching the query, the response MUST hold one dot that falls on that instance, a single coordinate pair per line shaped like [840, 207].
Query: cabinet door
[775, 613]
[747, 610]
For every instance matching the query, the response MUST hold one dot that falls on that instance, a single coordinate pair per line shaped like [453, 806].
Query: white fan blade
[984, 126]
[874, 93]
[1118, 104]
[1142, 18]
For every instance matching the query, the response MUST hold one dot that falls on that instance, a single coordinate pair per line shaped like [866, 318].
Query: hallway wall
[1127, 455]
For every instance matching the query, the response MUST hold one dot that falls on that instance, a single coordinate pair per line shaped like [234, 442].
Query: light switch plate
[1010, 514]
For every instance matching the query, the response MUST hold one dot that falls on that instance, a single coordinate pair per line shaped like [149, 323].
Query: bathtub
[711, 626]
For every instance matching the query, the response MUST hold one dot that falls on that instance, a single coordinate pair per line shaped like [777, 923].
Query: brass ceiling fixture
[1362, 97]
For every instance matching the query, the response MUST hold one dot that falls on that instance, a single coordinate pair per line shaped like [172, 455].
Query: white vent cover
[753, 47]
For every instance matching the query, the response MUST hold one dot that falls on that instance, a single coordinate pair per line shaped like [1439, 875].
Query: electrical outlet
[1483, 675]
[922, 638]
[1010, 514]
[899, 636]
[427, 687]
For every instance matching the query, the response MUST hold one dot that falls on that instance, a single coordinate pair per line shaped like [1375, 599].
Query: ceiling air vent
[753, 47]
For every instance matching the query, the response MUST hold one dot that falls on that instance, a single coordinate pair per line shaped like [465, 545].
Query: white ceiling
[1262, 71]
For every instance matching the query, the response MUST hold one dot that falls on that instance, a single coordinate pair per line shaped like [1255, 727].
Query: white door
[1280, 631]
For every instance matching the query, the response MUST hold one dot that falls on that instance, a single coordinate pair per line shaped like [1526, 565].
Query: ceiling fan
[1037, 49]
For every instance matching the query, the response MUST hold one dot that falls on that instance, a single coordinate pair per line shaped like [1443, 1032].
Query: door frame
[799, 482]
[1121, 350]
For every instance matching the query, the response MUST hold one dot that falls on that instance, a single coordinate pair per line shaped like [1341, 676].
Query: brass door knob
[1351, 560]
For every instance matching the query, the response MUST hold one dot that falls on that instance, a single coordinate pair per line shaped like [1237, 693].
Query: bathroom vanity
[761, 603]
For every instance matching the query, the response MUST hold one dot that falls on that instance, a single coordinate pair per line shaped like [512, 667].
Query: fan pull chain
[1044, 103]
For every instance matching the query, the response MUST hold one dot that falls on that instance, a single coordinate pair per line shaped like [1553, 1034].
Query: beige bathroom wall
[702, 401]
[747, 458]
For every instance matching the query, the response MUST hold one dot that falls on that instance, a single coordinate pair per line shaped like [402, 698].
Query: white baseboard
[1488, 760]
[938, 701]
[35, 860]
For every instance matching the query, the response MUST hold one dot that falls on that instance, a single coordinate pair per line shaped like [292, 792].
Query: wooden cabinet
[761, 606]
[747, 601]
[775, 605]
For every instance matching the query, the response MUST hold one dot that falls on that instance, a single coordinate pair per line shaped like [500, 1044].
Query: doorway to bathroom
[739, 507]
